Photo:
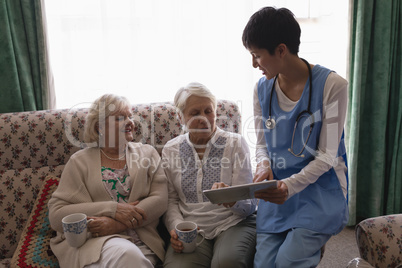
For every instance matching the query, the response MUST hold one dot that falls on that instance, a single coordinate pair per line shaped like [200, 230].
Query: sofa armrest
[359, 263]
[379, 240]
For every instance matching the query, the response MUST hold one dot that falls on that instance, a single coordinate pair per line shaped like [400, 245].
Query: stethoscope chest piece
[270, 123]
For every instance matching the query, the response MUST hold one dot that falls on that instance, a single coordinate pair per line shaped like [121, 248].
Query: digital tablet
[237, 192]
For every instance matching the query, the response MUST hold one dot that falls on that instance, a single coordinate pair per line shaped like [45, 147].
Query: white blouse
[226, 159]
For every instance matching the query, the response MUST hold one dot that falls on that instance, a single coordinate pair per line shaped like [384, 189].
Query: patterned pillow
[33, 249]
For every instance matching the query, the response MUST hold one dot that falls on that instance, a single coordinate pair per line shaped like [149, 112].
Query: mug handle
[202, 233]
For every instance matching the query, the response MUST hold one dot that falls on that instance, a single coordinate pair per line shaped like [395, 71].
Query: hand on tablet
[274, 195]
[218, 185]
[263, 172]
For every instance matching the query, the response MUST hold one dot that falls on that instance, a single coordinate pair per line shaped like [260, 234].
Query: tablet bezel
[237, 192]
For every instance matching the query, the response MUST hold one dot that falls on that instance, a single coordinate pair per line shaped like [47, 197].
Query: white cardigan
[81, 190]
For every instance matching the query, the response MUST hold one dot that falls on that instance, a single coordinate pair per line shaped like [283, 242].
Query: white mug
[187, 232]
[75, 229]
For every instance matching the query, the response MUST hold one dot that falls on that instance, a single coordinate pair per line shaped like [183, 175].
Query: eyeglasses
[303, 114]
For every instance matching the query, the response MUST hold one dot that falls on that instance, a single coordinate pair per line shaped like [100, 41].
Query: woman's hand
[101, 226]
[277, 195]
[130, 215]
[218, 185]
[263, 172]
[176, 244]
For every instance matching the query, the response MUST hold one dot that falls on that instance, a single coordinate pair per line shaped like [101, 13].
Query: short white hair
[192, 89]
[100, 109]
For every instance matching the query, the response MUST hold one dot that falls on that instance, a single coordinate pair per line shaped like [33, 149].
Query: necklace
[111, 158]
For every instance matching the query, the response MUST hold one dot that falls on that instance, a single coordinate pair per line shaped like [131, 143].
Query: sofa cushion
[157, 123]
[33, 249]
[36, 144]
[40, 138]
[18, 191]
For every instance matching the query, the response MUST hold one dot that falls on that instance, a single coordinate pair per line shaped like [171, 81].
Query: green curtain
[26, 82]
[375, 109]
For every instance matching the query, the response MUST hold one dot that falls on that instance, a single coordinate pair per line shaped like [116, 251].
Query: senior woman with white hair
[124, 199]
[207, 157]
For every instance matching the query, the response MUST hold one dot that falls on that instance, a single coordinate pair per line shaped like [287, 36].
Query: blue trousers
[294, 248]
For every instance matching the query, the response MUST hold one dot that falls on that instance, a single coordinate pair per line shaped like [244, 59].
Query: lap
[234, 247]
[120, 252]
[297, 247]
[200, 258]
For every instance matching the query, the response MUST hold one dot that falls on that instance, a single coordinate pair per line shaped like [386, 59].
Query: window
[147, 49]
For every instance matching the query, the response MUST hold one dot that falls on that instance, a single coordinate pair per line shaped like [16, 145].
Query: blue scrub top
[321, 206]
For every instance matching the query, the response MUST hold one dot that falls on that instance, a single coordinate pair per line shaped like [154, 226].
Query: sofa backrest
[36, 144]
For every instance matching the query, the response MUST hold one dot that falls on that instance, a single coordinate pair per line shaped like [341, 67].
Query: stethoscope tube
[270, 122]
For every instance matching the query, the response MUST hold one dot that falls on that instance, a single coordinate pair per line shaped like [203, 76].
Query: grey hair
[100, 109]
[192, 89]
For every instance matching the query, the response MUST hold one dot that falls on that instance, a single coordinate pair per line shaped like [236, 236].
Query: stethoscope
[271, 124]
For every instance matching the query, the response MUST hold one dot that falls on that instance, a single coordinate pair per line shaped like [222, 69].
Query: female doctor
[299, 112]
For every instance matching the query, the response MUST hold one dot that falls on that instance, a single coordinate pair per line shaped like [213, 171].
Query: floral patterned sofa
[35, 146]
[380, 242]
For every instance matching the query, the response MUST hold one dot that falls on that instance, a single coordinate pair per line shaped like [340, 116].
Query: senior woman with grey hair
[207, 157]
[123, 198]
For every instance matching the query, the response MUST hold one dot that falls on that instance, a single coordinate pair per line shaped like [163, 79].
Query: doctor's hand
[263, 172]
[277, 195]
[218, 185]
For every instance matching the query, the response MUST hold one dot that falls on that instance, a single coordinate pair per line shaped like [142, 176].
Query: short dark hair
[269, 27]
